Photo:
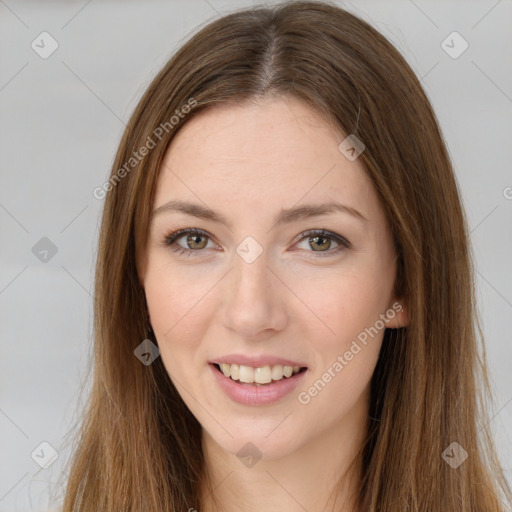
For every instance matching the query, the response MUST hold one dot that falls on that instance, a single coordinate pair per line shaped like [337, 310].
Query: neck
[319, 476]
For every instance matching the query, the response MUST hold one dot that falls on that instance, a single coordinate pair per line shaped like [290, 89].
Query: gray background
[61, 120]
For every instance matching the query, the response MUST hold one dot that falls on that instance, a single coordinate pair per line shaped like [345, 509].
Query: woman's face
[261, 286]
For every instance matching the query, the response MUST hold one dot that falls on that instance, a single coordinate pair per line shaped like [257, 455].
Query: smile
[256, 393]
[260, 376]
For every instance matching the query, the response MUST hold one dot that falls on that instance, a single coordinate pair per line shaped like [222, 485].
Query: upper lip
[255, 361]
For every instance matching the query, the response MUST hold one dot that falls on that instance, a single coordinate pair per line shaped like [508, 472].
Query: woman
[236, 367]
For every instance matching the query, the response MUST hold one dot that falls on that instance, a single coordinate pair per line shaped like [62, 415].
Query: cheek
[342, 303]
[176, 303]
[172, 291]
[346, 343]
[178, 320]
[346, 331]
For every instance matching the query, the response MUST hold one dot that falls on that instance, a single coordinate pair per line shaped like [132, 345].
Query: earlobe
[397, 315]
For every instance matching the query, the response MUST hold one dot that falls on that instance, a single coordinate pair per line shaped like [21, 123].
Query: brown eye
[194, 241]
[321, 242]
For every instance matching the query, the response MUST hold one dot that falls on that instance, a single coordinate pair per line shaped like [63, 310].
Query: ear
[396, 314]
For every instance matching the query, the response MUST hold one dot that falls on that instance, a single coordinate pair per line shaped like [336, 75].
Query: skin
[247, 161]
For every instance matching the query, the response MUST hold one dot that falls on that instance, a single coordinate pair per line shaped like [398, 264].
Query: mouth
[257, 386]
[258, 377]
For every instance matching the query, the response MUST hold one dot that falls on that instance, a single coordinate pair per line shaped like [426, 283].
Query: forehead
[272, 153]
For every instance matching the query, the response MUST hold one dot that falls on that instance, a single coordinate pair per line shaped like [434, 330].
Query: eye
[320, 242]
[195, 240]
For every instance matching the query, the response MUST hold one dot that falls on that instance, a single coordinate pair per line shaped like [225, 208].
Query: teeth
[246, 374]
[277, 372]
[261, 375]
[226, 369]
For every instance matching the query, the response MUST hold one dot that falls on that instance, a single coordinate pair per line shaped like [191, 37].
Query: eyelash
[173, 237]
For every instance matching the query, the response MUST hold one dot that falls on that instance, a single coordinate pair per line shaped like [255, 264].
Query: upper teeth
[261, 375]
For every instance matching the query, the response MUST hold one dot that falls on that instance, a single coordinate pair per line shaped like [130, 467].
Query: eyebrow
[285, 216]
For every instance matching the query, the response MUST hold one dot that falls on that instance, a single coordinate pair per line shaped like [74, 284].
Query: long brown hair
[139, 447]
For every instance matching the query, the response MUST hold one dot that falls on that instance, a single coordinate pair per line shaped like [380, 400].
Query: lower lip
[249, 394]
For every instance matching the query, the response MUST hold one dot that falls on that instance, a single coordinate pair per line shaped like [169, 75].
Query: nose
[254, 298]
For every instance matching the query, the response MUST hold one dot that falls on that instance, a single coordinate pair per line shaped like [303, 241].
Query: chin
[256, 440]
